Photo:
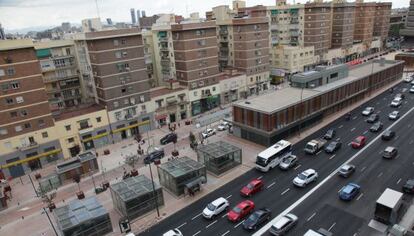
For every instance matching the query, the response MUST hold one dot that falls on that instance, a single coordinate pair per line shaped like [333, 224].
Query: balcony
[59, 78]
[223, 32]
[25, 147]
[224, 40]
[70, 86]
[163, 39]
[223, 58]
[71, 96]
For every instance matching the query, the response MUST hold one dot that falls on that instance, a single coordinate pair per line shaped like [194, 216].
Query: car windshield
[332, 145]
[358, 140]
[302, 176]
[345, 168]
[286, 160]
[250, 186]
[347, 189]
[253, 217]
[211, 207]
[236, 209]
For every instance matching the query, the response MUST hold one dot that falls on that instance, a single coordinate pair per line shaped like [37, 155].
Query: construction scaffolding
[219, 157]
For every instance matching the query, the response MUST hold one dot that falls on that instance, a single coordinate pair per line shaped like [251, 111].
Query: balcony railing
[25, 147]
[223, 32]
[163, 39]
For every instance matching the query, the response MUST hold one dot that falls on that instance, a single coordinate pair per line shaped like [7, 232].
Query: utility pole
[153, 185]
[50, 221]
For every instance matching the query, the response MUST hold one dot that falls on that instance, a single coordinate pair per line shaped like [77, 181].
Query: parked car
[256, 219]
[373, 118]
[349, 192]
[368, 111]
[283, 225]
[156, 154]
[253, 187]
[408, 79]
[333, 147]
[359, 142]
[224, 125]
[171, 137]
[329, 134]
[208, 132]
[396, 102]
[394, 115]
[346, 170]
[390, 153]
[173, 232]
[240, 211]
[306, 177]
[412, 89]
[216, 207]
[409, 186]
[288, 162]
[377, 126]
[388, 135]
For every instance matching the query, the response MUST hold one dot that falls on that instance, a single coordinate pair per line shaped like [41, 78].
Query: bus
[272, 156]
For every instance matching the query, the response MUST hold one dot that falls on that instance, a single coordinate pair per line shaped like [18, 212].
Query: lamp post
[153, 185]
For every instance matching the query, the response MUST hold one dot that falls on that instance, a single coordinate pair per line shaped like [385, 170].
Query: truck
[315, 145]
[387, 207]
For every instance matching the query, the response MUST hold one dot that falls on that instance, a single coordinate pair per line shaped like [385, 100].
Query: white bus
[272, 156]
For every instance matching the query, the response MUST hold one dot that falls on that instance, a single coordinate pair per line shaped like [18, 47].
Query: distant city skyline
[25, 15]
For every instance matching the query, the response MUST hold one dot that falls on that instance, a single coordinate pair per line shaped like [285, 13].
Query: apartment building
[364, 21]
[196, 62]
[122, 87]
[382, 21]
[233, 86]
[149, 57]
[343, 21]
[293, 59]
[26, 122]
[60, 73]
[317, 26]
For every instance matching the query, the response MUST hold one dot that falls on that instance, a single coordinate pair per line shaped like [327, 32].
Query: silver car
[288, 162]
[284, 224]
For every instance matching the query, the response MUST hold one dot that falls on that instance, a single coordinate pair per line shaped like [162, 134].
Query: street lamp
[152, 181]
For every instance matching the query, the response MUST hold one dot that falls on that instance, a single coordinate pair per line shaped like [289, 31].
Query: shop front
[161, 119]
[205, 104]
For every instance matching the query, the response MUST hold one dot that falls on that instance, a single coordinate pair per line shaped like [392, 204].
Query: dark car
[388, 135]
[377, 126]
[256, 219]
[333, 147]
[349, 192]
[409, 186]
[390, 153]
[346, 170]
[329, 134]
[373, 118]
[171, 137]
[157, 154]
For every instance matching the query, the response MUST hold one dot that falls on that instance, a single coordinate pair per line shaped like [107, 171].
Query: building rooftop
[218, 149]
[15, 44]
[134, 187]
[163, 91]
[181, 166]
[286, 97]
[53, 44]
[78, 111]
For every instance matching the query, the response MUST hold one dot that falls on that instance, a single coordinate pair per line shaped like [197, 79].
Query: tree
[131, 160]
[47, 197]
[77, 178]
[192, 137]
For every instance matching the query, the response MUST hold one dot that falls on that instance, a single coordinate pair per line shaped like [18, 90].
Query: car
[284, 224]
[346, 170]
[333, 147]
[408, 79]
[394, 115]
[412, 82]
[349, 191]
[306, 177]
[173, 232]
[288, 162]
[156, 154]
[408, 187]
[390, 152]
[411, 89]
[359, 142]
[388, 135]
[240, 211]
[377, 126]
[223, 126]
[208, 132]
[368, 111]
[329, 134]
[373, 118]
[257, 218]
[396, 102]
[253, 187]
[215, 207]
[171, 137]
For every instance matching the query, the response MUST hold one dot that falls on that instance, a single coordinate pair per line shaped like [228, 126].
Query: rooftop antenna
[97, 8]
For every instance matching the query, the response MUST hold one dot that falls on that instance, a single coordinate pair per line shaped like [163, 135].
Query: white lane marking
[196, 216]
[224, 215]
[352, 129]
[412, 141]
[270, 185]
[366, 131]
[396, 137]
[354, 117]
[229, 196]
[287, 190]
[310, 217]
[377, 103]
[330, 228]
[378, 112]
[359, 197]
[181, 225]
[238, 224]
[340, 126]
[399, 181]
[304, 197]
[397, 156]
[228, 231]
[349, 144]
[318, 152]
[197, 233]
[212, 223]
[260, 177]
[330, 158]
[297, 167]
[380, 174]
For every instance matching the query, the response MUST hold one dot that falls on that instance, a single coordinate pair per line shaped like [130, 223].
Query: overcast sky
[21, 14]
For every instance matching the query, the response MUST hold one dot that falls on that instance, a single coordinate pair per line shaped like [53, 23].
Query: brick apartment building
[364, 21]
[382, 20]
[343, 21]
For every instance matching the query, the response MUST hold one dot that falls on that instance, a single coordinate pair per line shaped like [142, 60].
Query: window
[67, 127]
[5, 87]
[19, 99]
[123, 41]
[3, 131]
[195, 93]
[13, 114]
[201, 42]
[84, 124]
[9, 101]
[41, 122]
[2, 72]
[124, 53]
[10, 71]
[143, 107]
[71, 140]
[126, 101]
[23, 113]
[98, 119]
[18, 128]
[45, 135]
[214, 89]
[14, 85]
[27, 126]
[123, 90]
[116, 104]
[118, 55]
[116, 42]
[118, 115]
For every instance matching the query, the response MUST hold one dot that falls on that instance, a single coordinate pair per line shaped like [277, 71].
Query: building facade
[364, 21]
[343, 21]
[293, 59]
[382, 21]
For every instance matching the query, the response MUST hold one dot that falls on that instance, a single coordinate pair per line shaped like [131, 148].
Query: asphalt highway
[279, 193]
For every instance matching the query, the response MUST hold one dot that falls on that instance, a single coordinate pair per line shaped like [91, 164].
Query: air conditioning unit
[123, 82]
[127, 69]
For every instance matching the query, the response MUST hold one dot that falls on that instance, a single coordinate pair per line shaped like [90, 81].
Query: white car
[223, 126]
[173, 232]
[215, 208]
[208, 132]
[412, 89]
[394, 115]
[368, 111]
[306, 177]
[408, 79]
[412, 82]
[396, 102]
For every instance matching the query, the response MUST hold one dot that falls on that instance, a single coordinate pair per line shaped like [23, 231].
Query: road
[280, 193]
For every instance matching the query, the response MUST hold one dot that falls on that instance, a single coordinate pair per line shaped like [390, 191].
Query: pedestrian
[179, 123]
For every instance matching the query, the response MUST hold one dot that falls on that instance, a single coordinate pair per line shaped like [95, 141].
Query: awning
[95, 137]
[131, 126]
[160, 117]
[56, 151]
